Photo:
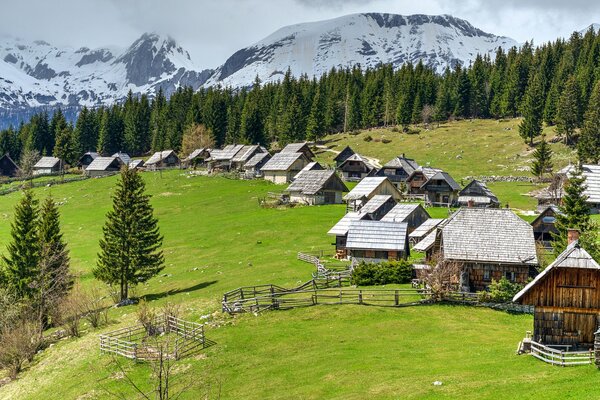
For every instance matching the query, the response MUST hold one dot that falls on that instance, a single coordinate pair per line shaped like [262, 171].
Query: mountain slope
[366, 39]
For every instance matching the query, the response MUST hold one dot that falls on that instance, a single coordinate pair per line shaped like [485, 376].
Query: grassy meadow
[217, 238]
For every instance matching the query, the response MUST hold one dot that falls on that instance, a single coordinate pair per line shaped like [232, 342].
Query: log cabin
[8, 168]
[369, 187]
[477, 194]
[343, 155]
[162, 159]
[104, 166]
[441, 190]
[413, 214]
[299, 148]
[244, 155]
[48, 166]
[398, 169]
[544, 225]
[283, 167]
[377, 241]
[252, 169]
[355, 168]
[87, 159]
[566, 299]
[316, 187]
[123, 156]
[220, 159]
[197, 158]
[418, 178]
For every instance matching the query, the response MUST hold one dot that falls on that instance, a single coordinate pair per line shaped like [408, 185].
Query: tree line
[555, 83]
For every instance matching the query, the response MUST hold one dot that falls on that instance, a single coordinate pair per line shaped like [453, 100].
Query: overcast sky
[211, 30]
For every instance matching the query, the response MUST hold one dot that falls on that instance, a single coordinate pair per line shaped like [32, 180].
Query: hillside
[217, 238]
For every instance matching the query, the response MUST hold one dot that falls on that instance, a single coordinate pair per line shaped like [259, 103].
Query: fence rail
[560, 357]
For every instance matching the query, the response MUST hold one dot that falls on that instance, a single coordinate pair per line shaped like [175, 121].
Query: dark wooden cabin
[477, 194]
[566, 300]
[398, 169]
[343, 155]
[544, 225]
[355, 168]
[8, 167]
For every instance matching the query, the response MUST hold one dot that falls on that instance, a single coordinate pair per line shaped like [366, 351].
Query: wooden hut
[343, 155]
[413, 214]
[123, 156]
[162, 159]
[8, 168]
[566, 299]
[252, 169]
[477, 194]
[441, 190]
[87, 159]
[244, 155]
[488, 244]
[283, 167]
[136, 164]
[377, 241]
[418, 178]
[378, 207]
[544, 225]
[369, 187]
[355, 168]
[303, 148]
[420, 232]
[221, 159]
[48, 166]
[316, 187]
[398, 169]
[104, 166]
[197, 158]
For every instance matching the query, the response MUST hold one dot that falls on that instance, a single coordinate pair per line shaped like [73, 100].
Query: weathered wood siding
[481, 275]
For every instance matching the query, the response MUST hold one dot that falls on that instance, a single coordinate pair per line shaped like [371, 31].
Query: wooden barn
[136, 164]
[315, 187]
[566, 299]
[252, 169]
[123, 156]
[87, 159]
[104, 166]
[343, 155]
[48, 166]
[244, 155]
[303, 148]
[488, 244]
[355, 168]
[441, 190]
[369, 187]
[477, 194]
[377, 241]
[162, 159]
[544, 225]
[418, 178]
[283, 167]
[340, 231]
[398, 169]
[378, 207]
[412, 214]
[197, 158]
[8, 168]
[221, 159]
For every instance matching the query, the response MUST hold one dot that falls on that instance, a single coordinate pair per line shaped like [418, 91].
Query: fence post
[360, 298]
[396, 298]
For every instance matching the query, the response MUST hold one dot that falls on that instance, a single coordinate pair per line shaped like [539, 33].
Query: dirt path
[373, 161]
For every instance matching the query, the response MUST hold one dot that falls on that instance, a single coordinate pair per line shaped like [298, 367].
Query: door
[580, 326]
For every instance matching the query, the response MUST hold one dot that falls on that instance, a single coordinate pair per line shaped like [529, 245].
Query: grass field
[217, 238]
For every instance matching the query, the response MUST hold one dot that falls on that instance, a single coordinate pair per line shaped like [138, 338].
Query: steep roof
[342, 226]
[375, 203]
[47, 162]
[226, 153]
[427, 242]
[408, 164]
[377, 235]
[136, 163]
[401, 212]
[195, 154]
[246, 153]
[365, 187]
[103, 163]
[256, 159]
[591, 173]
[488, 235]
[311, 182]
[573, 257]
[301, 147]
[477, 188]
[92, 154]
[124, 157]
[443, 176]
[357, 157]
[425, 228]
[159, 155]
[545, 212]
[281, 161]
[344, 154]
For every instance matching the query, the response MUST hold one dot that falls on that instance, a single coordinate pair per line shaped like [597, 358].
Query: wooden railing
[559, 357]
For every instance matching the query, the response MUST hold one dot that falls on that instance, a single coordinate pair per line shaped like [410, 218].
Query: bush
[368, 138]
[501, 291]
[369, 274]
[386, 141]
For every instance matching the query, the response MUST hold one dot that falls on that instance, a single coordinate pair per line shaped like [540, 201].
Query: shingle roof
[478, 188]
[194, 154]
[555, 209]
[293, 147]
[591, 173]
[375, 203]
[256, 159]
[311, 182]
[444, 176]
[124, 157]
[136, 163]
[573, 257]
[281, 161]
[226, 153]
[102, 163]
[357, 157]
[342, 226]
[488, 235]
[92, 154]
[427, 242]
[475, 199]
[425, 228]
[408, 164]
[159, 155]
[365, 187]
[47, 162]
[400, 212]
[245, 153]
[377, 235]
[345, 153]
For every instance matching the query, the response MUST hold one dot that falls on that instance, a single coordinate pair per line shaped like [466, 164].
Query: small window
[486, 275]
[548, 220]
[510, 276]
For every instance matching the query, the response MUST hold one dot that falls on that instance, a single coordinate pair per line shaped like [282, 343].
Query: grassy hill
[218, 238]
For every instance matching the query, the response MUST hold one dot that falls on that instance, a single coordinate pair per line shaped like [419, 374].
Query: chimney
[572, 235]
[470, 203]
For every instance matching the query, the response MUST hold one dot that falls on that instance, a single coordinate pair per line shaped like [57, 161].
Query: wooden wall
[477, 281]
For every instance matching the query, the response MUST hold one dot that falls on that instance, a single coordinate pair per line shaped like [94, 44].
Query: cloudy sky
[211, 30]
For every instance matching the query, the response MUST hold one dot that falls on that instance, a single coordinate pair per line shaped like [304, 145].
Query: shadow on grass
[156, 296]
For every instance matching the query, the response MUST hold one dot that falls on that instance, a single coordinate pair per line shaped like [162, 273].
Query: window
[486, 275]
[510, 276]
[381, 255]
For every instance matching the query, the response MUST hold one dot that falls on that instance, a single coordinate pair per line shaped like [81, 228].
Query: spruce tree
[568, 112]
[533, 108]
[23, 252]
[588, 147]
[542, 159]
[314, 124]
[574, 211]
[130, 250]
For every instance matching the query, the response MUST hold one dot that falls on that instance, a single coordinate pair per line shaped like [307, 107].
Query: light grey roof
[312, 166]
[136, 163]
[477, 188]
[591, 173]
[488, 235]
[281, 161]
[400, 212]
[124, 157]
[425, 228]
[573, 257]
[256, 159]
[342, 226]
[194, 154]
[92, 154]
[476, 199]
[47, 162]
[102, 163]
[311, 182]
[408, 164]
[245, 153]
[159, 155]
[444, 176]
[555, 209]
[427, 171]
[357, 157]
[365, 187]
[427, 242]
[373, 205]
[294, 147]
[226, 153]
[377, 235]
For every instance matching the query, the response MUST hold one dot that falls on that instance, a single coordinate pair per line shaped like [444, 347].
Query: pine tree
[21, 262]
[314, 124]
[568, 112]
[574, 211]
[463, 95]
[130, 250]
[542, 159]
[533, 107]
[63, 148]
[588, 147]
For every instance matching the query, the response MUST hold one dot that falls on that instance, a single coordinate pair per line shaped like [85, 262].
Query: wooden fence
[131, 342]
[559, 357]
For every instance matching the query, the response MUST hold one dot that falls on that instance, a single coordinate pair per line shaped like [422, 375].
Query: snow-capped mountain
[366, 39]
[39, 74]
